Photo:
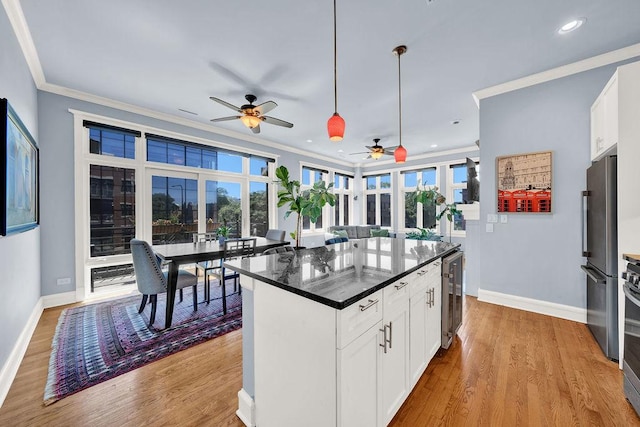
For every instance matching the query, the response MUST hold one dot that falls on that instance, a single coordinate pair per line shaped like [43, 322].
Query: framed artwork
[524, 183]
[19, 156]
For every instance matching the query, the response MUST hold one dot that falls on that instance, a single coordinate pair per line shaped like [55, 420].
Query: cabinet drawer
[396, 295]
[357, 318]
[420, 279]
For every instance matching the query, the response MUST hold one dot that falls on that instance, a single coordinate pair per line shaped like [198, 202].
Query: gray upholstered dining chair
[274, 234]
[233, 248]
[151, 280]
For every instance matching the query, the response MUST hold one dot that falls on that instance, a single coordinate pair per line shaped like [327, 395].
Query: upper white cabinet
[604, 120]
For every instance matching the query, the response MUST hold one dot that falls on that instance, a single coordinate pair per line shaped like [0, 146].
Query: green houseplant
[307, 203]
[431, 196]
[223, 233]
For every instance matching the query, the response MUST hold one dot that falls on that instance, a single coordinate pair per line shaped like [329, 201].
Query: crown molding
[123, 106]
[21, 30]
[559, 72]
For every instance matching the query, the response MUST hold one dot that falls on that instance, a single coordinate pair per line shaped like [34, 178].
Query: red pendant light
[335, 125]
[400, 153]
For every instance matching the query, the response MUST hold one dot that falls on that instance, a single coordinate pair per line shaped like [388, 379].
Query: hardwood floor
[506, 368]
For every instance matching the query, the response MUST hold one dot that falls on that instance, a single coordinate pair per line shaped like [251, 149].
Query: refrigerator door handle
[583, 223]
[593, 274]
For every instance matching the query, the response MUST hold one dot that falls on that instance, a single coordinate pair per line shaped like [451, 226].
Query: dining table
[178, 254]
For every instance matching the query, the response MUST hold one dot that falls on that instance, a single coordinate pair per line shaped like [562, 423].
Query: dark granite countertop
[339, 275]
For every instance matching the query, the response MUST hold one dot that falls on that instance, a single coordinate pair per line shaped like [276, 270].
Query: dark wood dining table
[189, 253]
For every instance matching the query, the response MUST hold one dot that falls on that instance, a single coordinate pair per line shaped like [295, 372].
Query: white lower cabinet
[317, 366]
[425, 318]
[395, 384]
[359, 369]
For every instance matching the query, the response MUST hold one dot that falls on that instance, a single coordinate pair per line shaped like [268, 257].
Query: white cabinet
[319, 366]
[425, 318]
[604, 120]
[395, 385]
[359, 373]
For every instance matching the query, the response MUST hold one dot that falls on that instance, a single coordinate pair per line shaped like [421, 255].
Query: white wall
[19, 253]
[536, 256]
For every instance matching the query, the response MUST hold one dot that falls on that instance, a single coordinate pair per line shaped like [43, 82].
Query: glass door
[223, 203]
[174, 207]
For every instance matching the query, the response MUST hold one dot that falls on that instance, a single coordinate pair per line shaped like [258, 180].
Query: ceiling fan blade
[390, 150]
[256, 129]
[265, 107]
[360, 152]
[277, 122]
[226, 104]
[224, 119]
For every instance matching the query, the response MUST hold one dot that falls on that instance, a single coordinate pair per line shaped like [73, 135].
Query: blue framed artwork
[19, 156]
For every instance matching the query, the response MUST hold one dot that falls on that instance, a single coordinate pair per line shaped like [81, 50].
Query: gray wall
[19, 253]
[57, 179]
[536, 255]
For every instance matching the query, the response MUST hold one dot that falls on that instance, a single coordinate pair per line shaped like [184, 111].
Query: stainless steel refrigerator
[600, 247]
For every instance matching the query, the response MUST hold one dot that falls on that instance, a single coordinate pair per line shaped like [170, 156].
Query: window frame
[377, 192]
[402, 190]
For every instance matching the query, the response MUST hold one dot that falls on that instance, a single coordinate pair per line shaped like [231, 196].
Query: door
[418, 335]
[174, 202]
[395, 360]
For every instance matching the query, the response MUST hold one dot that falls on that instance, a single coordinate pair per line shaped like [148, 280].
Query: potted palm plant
[430, 196]
[307, 203]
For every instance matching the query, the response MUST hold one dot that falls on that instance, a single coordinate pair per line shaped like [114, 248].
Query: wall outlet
[504, 219]
[489, 228]
[492, 218]
[64, 281]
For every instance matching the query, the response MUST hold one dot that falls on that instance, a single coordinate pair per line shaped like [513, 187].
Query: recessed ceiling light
[308, 140]
[572, 25]
[455, 122]
[434, 145]
[341, 151]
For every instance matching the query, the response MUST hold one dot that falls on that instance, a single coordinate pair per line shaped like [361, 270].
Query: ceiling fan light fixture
[335, 126]
[376, 154]
[250, 121]
[400, 154]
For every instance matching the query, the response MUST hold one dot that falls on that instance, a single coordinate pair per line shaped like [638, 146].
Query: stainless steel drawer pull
[371, 303]
[390, 332]
[421, 272]
[384, 338]
[401, 285]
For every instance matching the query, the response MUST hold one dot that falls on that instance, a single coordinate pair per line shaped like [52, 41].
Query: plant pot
[221, 240]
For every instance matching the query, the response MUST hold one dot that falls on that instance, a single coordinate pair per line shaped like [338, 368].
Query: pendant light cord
[399, 101]
[335, 60]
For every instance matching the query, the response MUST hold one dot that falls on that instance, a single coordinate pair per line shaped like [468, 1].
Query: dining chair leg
[224, 295]
[207, 288]
[154, 304]
[195, 297]
[143, 303]
[181, 295]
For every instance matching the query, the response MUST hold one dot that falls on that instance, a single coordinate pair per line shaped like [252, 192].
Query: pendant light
[400, 153]
[335, 125]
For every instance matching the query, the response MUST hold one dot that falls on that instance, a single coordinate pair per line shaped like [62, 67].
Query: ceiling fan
[252, 115]
[376, 150]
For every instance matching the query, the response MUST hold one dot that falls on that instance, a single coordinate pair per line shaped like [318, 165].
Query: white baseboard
[536, 306]
[56, 300]
[246, 409]
[10, 368]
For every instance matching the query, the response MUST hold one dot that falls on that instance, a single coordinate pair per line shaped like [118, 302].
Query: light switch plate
[504, 219]
[492, 218]
[489, 228]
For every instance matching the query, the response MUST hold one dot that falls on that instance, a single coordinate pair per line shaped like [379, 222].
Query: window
[457, 175]
[111, 141]
[417, 215]
[258, 208]
[182, 153]
[343, 190]
[378, 199]
[111, 210]
[174, 209]
[309, 177]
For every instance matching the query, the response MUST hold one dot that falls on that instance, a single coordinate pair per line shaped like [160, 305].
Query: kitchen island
[338, 335]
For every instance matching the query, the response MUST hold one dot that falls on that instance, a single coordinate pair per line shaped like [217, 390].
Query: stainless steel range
[631, 361]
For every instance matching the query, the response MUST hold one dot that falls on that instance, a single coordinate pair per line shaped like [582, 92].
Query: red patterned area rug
[97, 342]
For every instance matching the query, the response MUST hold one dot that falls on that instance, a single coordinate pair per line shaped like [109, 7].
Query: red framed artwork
[524, 183]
